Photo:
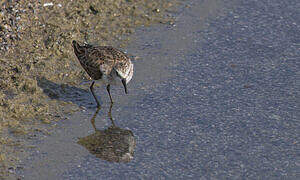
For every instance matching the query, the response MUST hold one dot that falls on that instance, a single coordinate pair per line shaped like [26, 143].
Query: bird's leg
[124, 84]
[92, 90]
[108, 90]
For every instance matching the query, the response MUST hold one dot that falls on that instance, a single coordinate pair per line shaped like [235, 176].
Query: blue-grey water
[216, 96]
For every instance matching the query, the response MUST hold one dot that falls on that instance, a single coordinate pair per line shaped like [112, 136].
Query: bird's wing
[87, 56]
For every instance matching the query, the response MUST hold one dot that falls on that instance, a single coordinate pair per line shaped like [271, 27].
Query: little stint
[104, 63]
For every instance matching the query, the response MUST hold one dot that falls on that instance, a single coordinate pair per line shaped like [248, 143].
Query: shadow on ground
[67, 93]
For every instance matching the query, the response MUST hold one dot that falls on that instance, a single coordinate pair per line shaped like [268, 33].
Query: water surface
[214, 96]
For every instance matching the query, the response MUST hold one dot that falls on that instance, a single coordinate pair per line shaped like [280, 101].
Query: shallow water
[206, 101]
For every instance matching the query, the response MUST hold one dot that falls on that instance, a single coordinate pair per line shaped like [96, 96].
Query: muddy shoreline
[35, 49]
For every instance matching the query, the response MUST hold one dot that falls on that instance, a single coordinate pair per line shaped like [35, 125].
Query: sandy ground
[35, 48]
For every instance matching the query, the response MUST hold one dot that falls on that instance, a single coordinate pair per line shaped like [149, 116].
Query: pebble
[48, 4]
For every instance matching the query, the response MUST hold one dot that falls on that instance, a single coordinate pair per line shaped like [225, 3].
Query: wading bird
[104, 63]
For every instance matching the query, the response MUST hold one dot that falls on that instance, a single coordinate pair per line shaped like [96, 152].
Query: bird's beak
[124, 84]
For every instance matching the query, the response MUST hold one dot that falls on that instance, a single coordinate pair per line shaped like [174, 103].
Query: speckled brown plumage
[94, 58]
[104, 62]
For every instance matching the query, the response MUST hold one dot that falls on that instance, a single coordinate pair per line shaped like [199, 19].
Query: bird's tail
[77, 48]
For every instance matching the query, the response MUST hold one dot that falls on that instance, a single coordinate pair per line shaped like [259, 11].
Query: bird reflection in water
[113, 144]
